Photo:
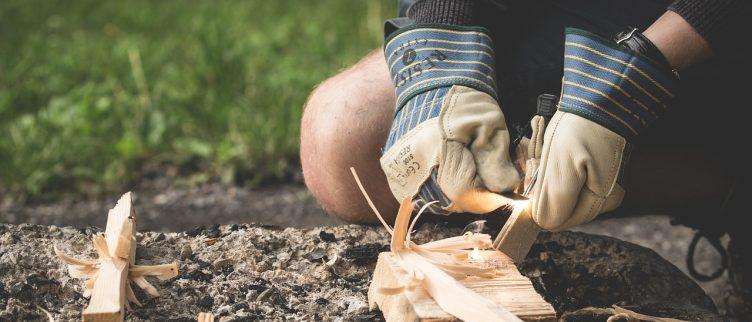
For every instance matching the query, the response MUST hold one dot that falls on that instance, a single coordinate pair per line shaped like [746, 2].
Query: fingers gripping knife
[520, 231]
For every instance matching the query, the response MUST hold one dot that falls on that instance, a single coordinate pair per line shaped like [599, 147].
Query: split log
[509, 289]
[444, 280]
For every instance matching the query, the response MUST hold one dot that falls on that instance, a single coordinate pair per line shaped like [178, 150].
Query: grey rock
[186, 252]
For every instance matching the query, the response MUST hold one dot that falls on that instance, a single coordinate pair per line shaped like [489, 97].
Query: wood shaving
[437, 266]
[89, 270]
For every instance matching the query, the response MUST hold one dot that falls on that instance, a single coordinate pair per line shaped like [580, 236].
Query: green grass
[94, 92]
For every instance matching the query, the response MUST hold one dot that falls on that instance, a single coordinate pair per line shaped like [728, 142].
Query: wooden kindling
[508, 289]
[205, 317]
[449, 279]
[107, 277]
[517, 235]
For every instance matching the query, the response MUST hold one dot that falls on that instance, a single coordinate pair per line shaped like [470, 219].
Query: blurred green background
[94, 94]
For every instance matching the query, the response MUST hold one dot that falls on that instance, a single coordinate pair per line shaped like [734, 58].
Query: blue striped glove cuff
[612, 85]
[425, 61]
[423, 57]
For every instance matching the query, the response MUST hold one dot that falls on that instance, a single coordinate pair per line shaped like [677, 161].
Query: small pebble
[224, 310]
[159, 237]
[283, 257]
[212, 232]
[223, 262]
[251, 295]
[316, 255]
[205, 302]
[355, 306]
[186, 252]
[327, 236]
[195, 231]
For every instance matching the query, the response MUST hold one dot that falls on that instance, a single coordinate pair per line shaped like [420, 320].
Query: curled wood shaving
[162, 272]
[438, 265]
[621, 314]
[131, 296]
[50, 318]
[89, 270]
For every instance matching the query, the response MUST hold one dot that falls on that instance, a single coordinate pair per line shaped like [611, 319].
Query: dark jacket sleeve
[453, 12]
[724, 24]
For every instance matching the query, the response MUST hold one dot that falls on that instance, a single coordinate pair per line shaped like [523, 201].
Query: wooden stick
[520, 230]
[517, 235]
[205, 317]
[107, 278]
[109, 296]
[446, 291]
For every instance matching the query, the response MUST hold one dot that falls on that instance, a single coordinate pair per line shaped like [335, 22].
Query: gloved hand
[449, 135]
[610, 94]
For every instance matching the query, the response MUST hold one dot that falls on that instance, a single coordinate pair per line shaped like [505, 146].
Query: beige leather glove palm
[578, 174]
[610, 94]
[449, 135]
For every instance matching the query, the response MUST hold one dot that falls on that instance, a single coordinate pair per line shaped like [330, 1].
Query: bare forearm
[693, 30]
[678, 41]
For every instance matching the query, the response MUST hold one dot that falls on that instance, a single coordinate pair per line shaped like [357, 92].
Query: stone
[186, 252]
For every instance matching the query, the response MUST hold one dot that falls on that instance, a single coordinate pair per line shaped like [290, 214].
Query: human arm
[449, 136]
[613, 89]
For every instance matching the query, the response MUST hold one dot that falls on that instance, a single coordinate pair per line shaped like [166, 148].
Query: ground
[97, 98]
[251, 272]
[160, 203]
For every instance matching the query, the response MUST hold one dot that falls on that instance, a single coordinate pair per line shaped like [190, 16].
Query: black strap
[633, 39]
[715, 241]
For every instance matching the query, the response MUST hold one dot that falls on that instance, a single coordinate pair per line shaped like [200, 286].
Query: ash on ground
[256, 272]
[161, 200]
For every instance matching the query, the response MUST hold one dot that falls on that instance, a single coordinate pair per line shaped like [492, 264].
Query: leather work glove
[610, 94]
[449, 135]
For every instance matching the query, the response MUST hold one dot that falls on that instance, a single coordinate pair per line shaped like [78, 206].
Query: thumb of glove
[475, 119]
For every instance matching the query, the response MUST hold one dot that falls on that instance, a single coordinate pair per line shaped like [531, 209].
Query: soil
[165, 206]
[250, 272]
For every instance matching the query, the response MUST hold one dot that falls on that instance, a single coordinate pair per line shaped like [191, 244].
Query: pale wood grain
[205, 317]
[517, 235]
[510, 290]
[108, 297]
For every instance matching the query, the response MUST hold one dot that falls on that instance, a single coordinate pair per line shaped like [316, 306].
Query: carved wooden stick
[108, 298]
[107, 278]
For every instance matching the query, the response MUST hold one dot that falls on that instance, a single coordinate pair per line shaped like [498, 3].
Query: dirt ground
[164, 207]
[251, 272]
